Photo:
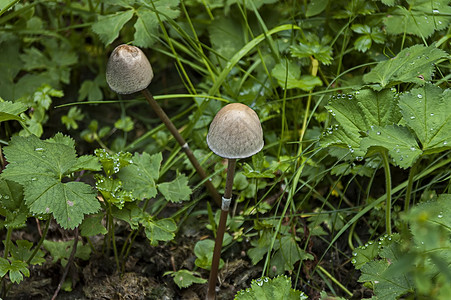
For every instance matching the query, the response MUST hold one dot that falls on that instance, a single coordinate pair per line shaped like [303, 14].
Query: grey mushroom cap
[235, 132]
[128, 70]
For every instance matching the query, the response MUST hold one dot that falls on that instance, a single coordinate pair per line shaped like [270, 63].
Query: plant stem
[69, 263]
[412, 173]
[384, 155]
[334, 280]
[211, 293]
[181, 141]
[44, 234]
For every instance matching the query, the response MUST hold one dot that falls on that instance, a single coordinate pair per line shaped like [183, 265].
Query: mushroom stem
[181, 141]
[211, 293]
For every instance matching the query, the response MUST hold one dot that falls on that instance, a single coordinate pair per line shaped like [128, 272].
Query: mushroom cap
[235, 132]
[128, 70]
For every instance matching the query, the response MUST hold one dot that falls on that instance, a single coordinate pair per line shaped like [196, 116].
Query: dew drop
[445, 143]
[357, 92]
[432, 114]
[354, 254]
[378, 133]
[412, 148]
[435, 11]
[412, 117]
[354, 261]
[39, 149]
[6, 197]
[419, 96]
[440, 215]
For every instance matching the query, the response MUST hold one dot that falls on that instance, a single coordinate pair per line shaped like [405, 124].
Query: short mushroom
[234, 133]
[129, 71]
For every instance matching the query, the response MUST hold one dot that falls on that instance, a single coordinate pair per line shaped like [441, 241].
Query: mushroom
[234, 133]
[129, 71]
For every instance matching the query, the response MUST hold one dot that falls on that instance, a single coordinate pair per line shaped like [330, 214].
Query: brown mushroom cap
[235, 132]
[128, 70]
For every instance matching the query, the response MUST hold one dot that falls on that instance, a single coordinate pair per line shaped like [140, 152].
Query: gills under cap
[128, 70]
[235, 132]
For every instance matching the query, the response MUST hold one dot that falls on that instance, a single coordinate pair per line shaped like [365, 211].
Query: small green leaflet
[40, 166]
[427, 111]
[11, 111]
[12, 206]
[23, 252]
[146, 26]
[288, 76]
[422, 18]
[414, 64]
[15, 269]
[268, 289]
[185, 278]
[204, 253]
[107, 27]
[315, 7]
[288, 254]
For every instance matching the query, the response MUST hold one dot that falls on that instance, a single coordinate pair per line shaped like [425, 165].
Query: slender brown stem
[211, 293]
[181, 141]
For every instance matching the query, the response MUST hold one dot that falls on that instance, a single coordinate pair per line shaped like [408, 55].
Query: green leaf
[62, 250]
[427, 112]
[414, 64]
[90, 90]
[176, 190]
[11, 111]
[17, 269]
[92, 225]
[315, 7]
[226, 36]
[70, 120]
[266, 289]
[288, 75]
[126, 124]
[321, 52]
[399, 141]
[204, 253]
[185, 278]
[140, 176]
[40, 167]
[370, 250]
[422, 18]
[288, 254]
[12, 206]
[22, 252]
[108, 27]
[147, 25]
[160, 230]
[112, 163]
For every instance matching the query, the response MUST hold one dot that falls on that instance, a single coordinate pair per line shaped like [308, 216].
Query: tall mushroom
[234, 133]
[129, 71]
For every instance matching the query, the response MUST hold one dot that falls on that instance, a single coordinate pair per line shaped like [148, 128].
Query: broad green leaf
[226, 36]
[176, 190]
[427, 111]
[62, 250]
[140, 176]
[185, 278]
[159, 230]
[370, 250]
[414, 64]
[315, 7]
[399, 141]
[267, 289]
[421, 18]
[108, 27]
[384, 288]
[11, 111]
[288, 254]
[92, 225]
[40, 166]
